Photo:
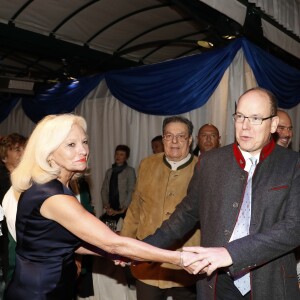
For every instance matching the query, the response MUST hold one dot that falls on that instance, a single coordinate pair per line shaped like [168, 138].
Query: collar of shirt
[246, 156]
[177, 164]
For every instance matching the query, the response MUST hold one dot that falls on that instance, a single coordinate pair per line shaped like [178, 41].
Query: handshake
[195, 260]
[201, 260]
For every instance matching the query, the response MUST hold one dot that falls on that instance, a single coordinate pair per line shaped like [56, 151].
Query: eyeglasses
[179, 137]
[239, 118]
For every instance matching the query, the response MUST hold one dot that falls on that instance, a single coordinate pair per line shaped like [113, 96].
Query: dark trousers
[150, 292]
[226, 290]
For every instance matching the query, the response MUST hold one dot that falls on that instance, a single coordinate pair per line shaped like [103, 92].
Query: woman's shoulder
[48, 189]
[38, 193]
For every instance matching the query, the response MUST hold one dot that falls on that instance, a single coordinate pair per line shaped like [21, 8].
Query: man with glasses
[162, 182]
[250, 221]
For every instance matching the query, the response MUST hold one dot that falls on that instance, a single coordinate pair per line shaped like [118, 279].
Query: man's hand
[208, 259]
[190, 260]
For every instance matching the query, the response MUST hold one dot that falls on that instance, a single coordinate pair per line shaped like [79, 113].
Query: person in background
[51, 224]
[283, 137]
[284, 132]
[161, 184]
[9, 205]
[113, 281]
[251, 243]
[118, 185]
[11, 150]
[157, 144]
[208, 138]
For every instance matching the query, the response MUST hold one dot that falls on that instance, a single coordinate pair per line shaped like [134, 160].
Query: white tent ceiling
[50, 39]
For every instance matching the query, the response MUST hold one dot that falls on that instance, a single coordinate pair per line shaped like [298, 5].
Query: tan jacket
[158, 190]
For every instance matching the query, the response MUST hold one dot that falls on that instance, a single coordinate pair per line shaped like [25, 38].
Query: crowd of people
[200, 221]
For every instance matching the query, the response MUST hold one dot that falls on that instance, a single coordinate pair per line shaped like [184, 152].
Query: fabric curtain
[168, 88]
[182, 85]
[57, 98]
[111, 122]
[271, 73]
[7, 103]
[173, 87]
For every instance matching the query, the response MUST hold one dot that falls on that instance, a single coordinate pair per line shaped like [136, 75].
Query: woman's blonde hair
[47, 136]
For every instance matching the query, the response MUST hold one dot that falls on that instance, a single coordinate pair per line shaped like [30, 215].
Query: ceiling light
[228, 37]
[21, 84]
[205, 44]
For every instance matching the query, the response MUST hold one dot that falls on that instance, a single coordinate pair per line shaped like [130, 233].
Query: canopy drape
[60, 98]
[111, 122]
[168, 88]
[173, 87]
[7, 103]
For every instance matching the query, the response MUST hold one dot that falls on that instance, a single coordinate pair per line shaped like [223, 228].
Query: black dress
[45, 266]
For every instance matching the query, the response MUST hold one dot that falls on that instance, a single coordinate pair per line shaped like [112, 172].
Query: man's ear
[274, 124]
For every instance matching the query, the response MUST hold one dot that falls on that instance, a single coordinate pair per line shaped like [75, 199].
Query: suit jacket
[214, 198]
[157, 193]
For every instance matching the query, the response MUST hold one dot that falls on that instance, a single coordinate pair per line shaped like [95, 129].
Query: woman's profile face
[71, 155]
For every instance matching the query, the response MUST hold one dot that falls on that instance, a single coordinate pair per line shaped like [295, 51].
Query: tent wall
[110, 122]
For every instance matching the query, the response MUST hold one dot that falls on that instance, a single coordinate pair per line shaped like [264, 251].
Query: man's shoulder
[287, 151]
[153, 159]
[283, 154]
[225, 150]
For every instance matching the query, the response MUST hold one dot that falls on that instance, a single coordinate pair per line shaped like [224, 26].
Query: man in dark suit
[215, 196]
[283, 137]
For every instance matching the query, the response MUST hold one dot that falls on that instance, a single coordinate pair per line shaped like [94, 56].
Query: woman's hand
[207, 260]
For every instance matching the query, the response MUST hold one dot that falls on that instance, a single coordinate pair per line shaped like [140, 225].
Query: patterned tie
[241, 228]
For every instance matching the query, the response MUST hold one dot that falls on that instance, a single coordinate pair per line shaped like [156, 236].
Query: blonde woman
[51, 224]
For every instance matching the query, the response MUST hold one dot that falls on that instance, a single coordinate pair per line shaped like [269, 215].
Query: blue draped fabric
[61, 98]
[185, 84]
[274, 75]
[172, 87]
[168, 88]
[7, 103]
